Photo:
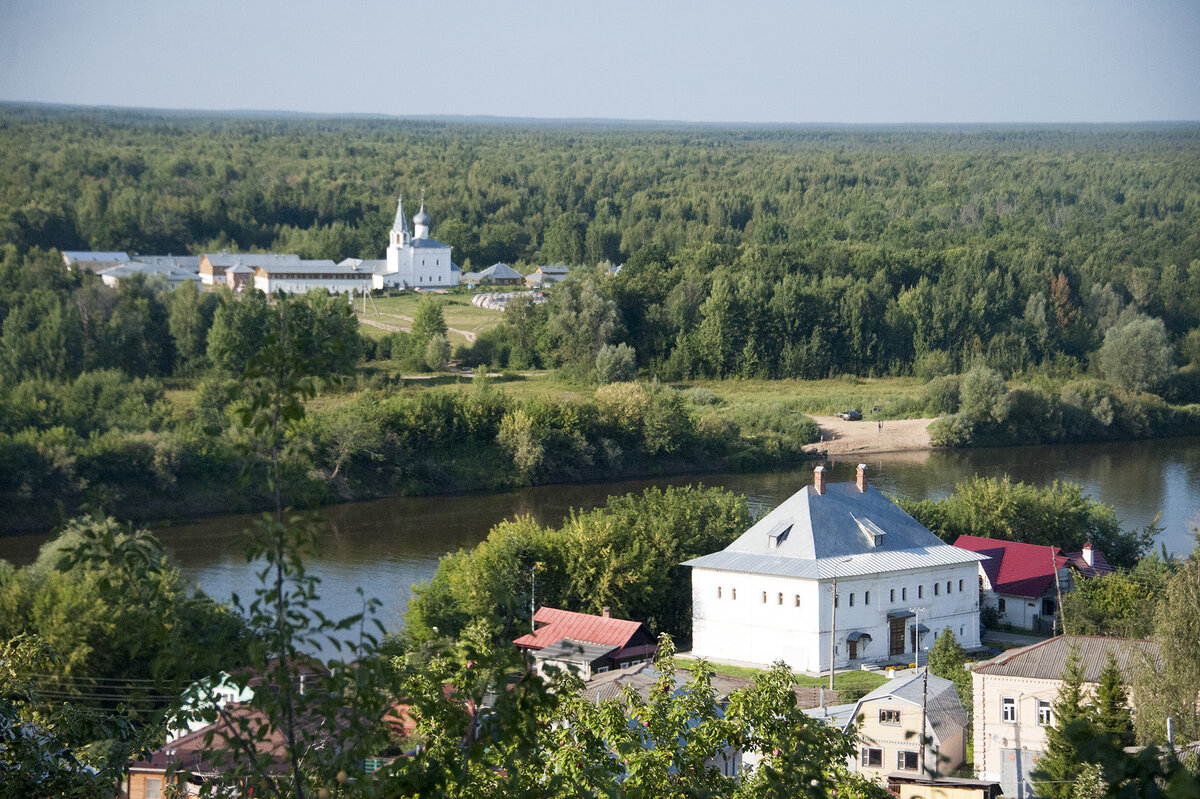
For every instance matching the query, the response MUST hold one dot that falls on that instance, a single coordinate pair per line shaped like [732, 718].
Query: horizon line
[497, 118]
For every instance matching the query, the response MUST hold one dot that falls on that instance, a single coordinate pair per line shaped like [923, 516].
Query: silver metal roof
[844, 532]
[827, 568]
[94, 255]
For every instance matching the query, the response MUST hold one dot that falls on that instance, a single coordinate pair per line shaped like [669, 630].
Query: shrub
[701, 396]
[616, 363]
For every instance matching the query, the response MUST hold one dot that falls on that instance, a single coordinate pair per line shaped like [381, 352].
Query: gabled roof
[502, 270]
[1015, 568]
[1047, 660]
[188, 263]
[556, 269]
[1098, 567]
[171, 273]
[843, 532]
[555, 625]
[225, 259]
[73, 256]
[944, 710]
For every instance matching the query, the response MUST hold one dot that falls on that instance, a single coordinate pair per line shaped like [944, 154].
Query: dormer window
[777, 535]
[871, 530]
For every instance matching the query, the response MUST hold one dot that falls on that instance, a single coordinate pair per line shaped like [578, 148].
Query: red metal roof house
[1019, 579]
[585, 643]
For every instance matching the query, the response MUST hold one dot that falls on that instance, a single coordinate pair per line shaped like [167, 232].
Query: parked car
[851, 416]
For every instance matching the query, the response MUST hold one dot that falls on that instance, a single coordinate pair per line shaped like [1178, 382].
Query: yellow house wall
[939, 792]
[905, 736]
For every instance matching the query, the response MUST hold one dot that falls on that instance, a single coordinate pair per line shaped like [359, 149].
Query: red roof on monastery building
[553, 625]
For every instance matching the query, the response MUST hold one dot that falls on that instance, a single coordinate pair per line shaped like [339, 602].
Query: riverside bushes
[983, 411]
[106, 441]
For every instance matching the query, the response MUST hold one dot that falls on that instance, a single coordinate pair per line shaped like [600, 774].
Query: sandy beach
[841, 437]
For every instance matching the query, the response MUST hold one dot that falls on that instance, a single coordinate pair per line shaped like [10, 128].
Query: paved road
[1012, 638]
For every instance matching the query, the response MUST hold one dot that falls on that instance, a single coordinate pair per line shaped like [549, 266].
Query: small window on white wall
[797, 600]
[718, 592]
[764, 597]
[781, 597]
[734, 594]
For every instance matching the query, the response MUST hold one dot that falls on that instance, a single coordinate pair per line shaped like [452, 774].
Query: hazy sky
[747, 61]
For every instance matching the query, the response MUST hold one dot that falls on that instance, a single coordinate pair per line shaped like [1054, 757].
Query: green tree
[616, 364]
[1111, 714]
[437, 353]
[1057, 515]
[1168, 685]
[1137, 355]
[1061, 763]
[428, 321]
[947, 659]
[238, 326]
[190, 315]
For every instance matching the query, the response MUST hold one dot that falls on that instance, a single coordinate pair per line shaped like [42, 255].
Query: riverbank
[839, 437]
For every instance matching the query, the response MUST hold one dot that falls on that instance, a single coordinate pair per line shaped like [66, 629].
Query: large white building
[769, 595]
[414, 260]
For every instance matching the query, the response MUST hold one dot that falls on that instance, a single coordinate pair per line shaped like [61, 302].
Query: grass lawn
[457, 309]
[863, 680]
[892, 395]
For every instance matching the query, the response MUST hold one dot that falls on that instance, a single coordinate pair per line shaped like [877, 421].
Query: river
[385, 546]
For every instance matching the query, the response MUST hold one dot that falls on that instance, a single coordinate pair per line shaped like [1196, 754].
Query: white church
[837, 570]
[414, 259]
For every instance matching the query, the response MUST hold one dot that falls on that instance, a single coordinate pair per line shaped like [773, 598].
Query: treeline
[90, 424]
[624, 556]
[749, 252]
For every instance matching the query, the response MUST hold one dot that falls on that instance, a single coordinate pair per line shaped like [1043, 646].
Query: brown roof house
[585, 644]
[1014, 700]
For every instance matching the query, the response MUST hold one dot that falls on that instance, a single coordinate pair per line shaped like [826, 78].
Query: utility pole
[832, 630]
[1058, 587]
[532, 596]
[924, 706]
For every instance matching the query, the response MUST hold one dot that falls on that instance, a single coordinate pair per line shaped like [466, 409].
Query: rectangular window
[867, 598]
[889, 716]
[797, 600]
[907, 761]
[937, 589]
[948, 587]
[872, 757]
[1045, 713]
[153, 788]
[960, 584]
[851, 600]
[903, 594]
[920, 592]
[892, 596]
[718, 592]
[764, 597]
[1000, 604]
[781, 597]
[1008, 709]
[734, 594]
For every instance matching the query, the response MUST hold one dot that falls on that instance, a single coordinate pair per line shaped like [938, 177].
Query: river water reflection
[385, 546]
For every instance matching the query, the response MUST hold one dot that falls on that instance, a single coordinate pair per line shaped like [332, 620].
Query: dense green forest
[1044, 280]
[752, 251]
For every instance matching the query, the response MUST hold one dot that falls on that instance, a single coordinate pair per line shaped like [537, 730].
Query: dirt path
[467, 334]
[901, 435]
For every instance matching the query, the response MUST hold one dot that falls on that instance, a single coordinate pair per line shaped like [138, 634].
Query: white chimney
[862, 477]
[1088, 557]
[819, 479]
